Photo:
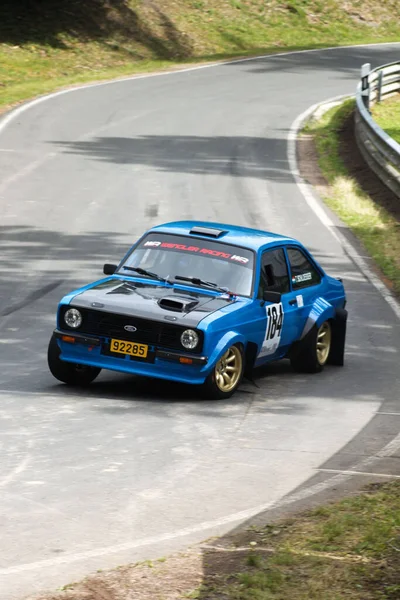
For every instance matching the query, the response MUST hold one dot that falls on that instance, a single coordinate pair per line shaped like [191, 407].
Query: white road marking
[15, 472]
[395, 414]
[129, 545]
[318, 208]
[36, 164]
[25, 170]
[388, 450]
[34, 482]
[391, 448]
[359, 473]
[30, 104]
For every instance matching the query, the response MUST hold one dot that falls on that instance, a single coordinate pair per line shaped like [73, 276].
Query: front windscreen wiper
[141, 271]
[210, 284]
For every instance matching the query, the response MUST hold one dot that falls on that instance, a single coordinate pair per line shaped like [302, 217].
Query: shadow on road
[36, 259]
[233, 156]
[342, 62]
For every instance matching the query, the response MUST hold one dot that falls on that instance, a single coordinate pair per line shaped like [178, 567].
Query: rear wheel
[311, 354]
[336, 355]
[227, 374]
[69, 373]
[324, 339]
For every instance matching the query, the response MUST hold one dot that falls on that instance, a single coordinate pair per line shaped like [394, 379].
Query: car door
[305, 282]
[280, 319]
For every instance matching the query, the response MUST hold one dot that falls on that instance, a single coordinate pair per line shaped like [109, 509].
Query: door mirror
[109, 269]
[270, 296]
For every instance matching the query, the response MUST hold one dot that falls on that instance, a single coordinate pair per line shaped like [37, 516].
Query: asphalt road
[134, 468]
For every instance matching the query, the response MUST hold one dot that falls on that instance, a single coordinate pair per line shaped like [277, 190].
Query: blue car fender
[320, 311]
[225, 342]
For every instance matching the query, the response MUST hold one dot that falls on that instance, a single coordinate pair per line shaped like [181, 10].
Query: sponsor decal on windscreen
[197, 249]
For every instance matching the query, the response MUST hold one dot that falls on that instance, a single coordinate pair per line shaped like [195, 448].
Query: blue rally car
[202, 303]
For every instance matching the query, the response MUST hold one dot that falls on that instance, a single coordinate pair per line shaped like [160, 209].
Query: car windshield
[166, 255]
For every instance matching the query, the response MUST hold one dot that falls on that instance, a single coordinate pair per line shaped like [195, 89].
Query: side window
[304, 274]
[274, 272]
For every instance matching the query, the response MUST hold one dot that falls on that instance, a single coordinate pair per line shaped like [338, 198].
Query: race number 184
[275, 320]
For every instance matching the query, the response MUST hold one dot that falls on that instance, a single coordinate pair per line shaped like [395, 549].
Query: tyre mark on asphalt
[152, 211]
[32, 297]
[36, 164]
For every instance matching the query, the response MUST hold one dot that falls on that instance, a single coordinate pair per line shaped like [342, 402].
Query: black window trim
[309, 258]
[281, 246]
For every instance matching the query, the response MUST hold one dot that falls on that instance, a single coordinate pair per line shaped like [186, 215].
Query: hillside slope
[54, 42]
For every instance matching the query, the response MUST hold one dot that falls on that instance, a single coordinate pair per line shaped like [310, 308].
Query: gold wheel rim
[324, 337]
[229, 369]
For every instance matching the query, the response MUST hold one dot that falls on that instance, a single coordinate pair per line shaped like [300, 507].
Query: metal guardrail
[379, 150]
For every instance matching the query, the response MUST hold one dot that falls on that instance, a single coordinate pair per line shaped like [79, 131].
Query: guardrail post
[380, 151]
[380, 80]
[365, 71]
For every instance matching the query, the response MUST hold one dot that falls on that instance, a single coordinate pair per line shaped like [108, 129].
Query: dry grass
[377, 229]
[348, 549]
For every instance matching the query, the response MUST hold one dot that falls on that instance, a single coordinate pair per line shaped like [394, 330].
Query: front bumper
[163, 364]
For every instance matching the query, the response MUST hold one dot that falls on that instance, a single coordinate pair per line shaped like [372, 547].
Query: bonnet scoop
[178, 303]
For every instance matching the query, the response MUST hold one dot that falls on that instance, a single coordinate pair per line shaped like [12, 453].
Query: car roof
[230, 234]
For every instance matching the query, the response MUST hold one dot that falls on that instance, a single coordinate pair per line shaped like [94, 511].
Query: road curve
[134, 468]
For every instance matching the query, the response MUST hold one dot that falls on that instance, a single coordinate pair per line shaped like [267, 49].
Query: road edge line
[317, 205]
[389, 449]
[13, 113]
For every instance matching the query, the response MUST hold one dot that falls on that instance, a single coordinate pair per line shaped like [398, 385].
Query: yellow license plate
[129, 348]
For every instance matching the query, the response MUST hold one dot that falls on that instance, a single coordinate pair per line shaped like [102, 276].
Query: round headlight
[73, 318]
[189, 339]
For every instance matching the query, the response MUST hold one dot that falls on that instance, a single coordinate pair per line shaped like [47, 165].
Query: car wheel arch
[320, 311]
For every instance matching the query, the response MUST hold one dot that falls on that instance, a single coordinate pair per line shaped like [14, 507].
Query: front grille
[153, 333]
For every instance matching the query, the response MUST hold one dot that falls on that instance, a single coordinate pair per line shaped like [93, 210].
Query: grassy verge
[48, 45]
[373, 225]
[345, 550]
[387, 115]
[350, 549]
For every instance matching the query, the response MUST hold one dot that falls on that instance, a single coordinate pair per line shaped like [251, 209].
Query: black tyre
[69, 373]
[336, 356]
[311, 354]
[226, 376]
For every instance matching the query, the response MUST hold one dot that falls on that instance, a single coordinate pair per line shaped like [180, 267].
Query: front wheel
[311, 354]
[69, 373]
[226, 376]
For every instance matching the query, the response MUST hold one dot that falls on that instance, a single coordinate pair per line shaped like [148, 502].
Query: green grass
[47, 45]
[387, 115]
[374, 226]
[349, 549]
